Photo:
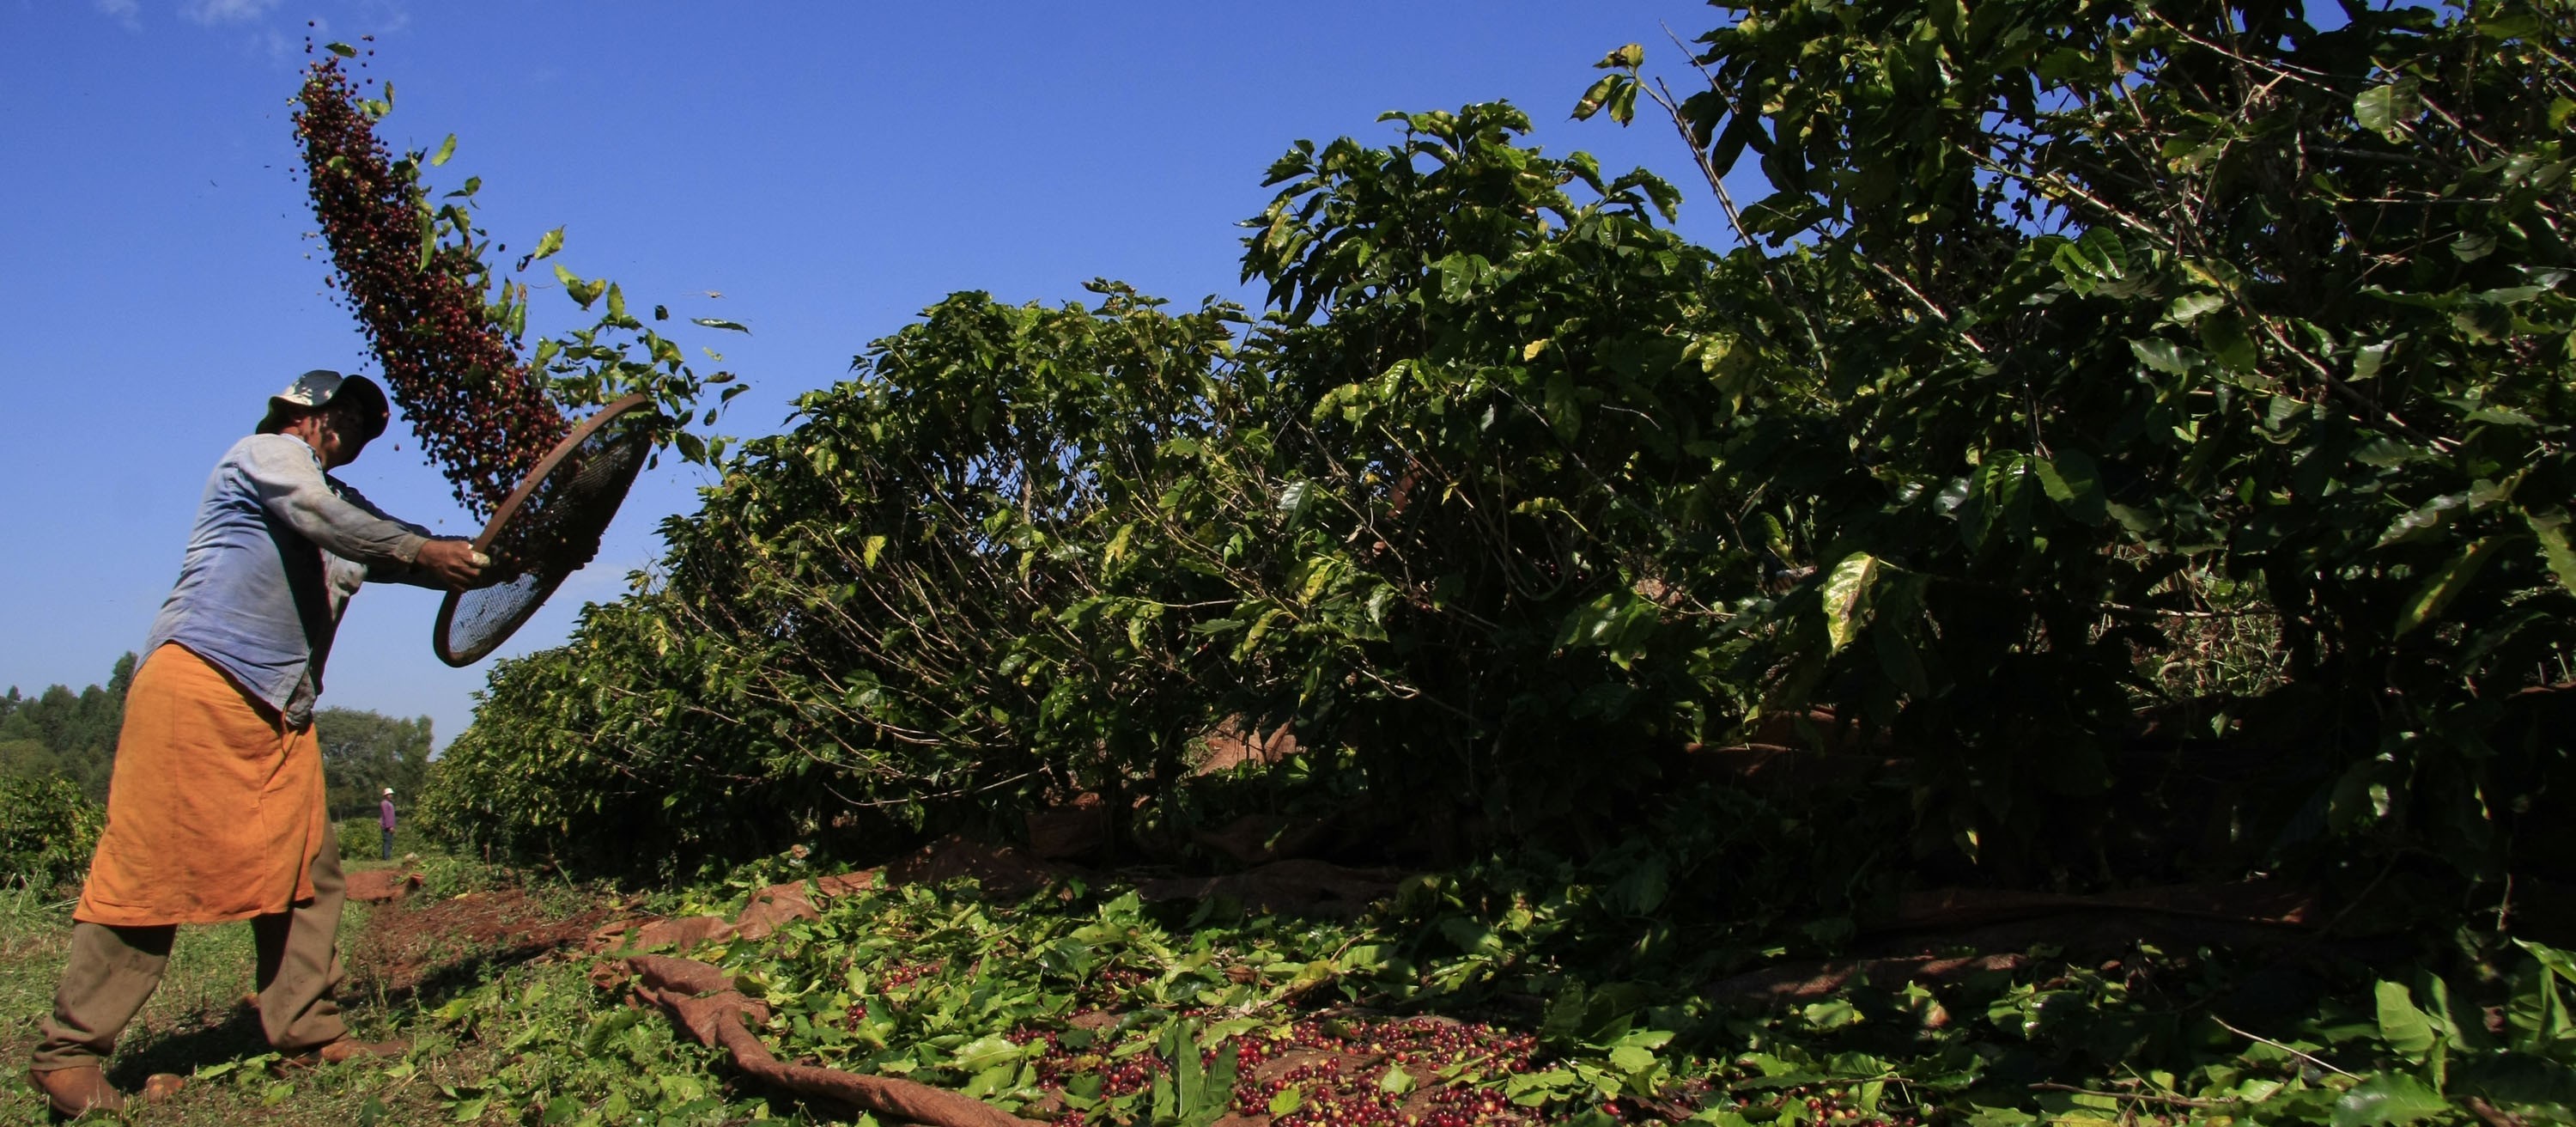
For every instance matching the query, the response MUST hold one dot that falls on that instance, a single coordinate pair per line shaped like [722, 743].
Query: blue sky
[829, 169]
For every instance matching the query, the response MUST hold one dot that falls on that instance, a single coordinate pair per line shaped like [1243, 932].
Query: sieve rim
[509, 510]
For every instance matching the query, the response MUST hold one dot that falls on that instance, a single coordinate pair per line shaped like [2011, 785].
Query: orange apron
[215, 811]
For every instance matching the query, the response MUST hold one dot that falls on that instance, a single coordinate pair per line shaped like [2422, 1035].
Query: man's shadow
[200, 1040]
[194, 1045]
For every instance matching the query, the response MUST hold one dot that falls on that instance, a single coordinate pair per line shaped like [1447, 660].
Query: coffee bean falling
[483, 417]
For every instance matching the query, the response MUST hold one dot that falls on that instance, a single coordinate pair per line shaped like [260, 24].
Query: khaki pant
[114, 969]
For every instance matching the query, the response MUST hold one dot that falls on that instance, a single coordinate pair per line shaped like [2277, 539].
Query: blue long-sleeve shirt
[277, 549]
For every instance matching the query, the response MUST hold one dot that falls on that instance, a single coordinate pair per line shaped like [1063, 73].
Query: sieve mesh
[547, 530]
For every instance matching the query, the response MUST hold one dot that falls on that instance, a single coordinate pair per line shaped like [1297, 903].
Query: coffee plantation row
[2124, 452]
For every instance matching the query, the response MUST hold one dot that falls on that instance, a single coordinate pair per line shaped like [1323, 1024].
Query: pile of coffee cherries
[1339, 1068]
[1341, 1071]
[482, 416]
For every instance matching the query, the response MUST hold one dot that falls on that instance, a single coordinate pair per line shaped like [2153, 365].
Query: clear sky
[828, 168]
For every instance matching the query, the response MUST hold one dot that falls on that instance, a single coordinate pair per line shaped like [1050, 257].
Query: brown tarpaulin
[703, 1001]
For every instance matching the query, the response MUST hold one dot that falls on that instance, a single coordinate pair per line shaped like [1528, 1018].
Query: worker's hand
[454, 562]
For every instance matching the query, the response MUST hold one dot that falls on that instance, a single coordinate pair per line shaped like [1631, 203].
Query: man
[216, 811]
[385, 817]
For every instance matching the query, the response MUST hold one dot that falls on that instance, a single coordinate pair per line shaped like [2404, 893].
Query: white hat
[389, 792]
[319, 388]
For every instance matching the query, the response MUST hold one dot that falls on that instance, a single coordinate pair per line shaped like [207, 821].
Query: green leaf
[2559, 962]
[720, 323]
[341, 49]
[1294, 499]
[582, 292]
[2070, 478]
[2162, 355]
[2446, 585]
[547, 244]
[1597, 96]
[2097, 257]
[2388, 1098]
[1845, 591]
[1617, 621]
[2384, 110]
[2423, 523]
[1289, 1099]
[446, 149]
[2189, 307]
[986, 1052]
[2551, 530]
[2224, 337]
[2404, 1027]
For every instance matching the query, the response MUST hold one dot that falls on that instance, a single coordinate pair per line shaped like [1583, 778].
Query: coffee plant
[2095, 322]
[1034, 551]
[446, 326]
[2069, 336]
[47, 829]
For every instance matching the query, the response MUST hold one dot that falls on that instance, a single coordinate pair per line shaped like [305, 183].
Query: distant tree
[27, 759]
[60, 732]
[364, 752]
[73, 735]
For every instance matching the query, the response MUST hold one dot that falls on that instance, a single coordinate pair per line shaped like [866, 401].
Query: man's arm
[291, 485]
[442, 562]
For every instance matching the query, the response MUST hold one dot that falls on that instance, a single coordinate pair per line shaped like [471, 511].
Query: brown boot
[77, 1090]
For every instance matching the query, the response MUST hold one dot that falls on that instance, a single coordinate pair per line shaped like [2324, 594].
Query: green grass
[195, 1020]
[466, 1041]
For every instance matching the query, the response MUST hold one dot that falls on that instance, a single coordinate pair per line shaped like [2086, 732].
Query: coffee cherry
[481, 414]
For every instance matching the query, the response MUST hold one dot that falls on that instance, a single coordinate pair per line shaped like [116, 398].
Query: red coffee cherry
[481, 414]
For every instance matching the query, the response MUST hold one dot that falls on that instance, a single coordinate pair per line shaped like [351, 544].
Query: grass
[196, 1019]
[198, 1025]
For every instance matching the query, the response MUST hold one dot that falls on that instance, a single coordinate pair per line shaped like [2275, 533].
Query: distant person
[386, 818]
[215, 809]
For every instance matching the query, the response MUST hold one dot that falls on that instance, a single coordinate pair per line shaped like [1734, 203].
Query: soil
[416, 945]
[381, 886]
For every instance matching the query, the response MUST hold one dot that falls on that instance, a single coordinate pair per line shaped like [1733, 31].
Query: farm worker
[215, 811]
[386, 818]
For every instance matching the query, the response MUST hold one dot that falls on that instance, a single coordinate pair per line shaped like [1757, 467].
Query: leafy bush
[2040, 355]
[47, 831]
[1035, 550]
[2098, 299]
